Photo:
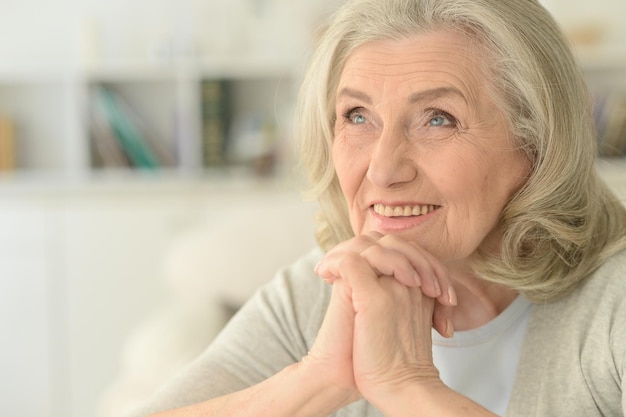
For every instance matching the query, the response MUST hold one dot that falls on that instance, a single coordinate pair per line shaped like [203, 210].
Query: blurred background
[148, 185]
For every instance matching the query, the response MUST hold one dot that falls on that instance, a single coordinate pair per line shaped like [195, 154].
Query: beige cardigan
[572, 362]
[574, 356]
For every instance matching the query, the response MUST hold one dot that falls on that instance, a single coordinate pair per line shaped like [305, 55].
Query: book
[106, 149]
[141, 146]
[7, 144]
[215, 121]
[153, 140]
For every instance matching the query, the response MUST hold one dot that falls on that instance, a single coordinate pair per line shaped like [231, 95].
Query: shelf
[128, 182]
[51, 112]
[38, 75]
[213, 67]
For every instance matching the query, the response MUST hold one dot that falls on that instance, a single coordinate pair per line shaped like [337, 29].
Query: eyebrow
[425, 95]
[434, 93]
[356, 94]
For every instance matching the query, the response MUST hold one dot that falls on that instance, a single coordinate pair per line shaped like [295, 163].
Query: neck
[479, 301]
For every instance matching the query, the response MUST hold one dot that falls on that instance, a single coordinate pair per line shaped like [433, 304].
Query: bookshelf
[54, 135]
[48, 113]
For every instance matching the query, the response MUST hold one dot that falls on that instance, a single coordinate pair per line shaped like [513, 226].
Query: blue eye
[355, 117]
[438, 121]
[358, 119]
[441, 119]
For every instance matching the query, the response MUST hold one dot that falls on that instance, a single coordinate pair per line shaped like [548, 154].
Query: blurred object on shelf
[588, 34]
[254, 142]
[610, 119]
[593, 28]
[8, 151]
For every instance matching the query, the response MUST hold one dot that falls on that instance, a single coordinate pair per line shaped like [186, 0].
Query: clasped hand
[387, 295]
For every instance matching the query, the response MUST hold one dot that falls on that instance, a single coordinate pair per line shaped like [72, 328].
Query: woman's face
[420, 149]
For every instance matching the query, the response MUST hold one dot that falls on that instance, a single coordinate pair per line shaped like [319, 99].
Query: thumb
[442, 319]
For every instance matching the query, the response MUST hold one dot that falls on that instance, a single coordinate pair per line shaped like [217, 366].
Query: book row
[120, 137]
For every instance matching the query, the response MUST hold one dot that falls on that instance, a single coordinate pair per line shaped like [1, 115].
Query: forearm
[296, 391]
[429, 399]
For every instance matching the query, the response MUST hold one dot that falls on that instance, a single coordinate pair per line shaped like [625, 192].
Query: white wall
[605, 16]
[66, 32]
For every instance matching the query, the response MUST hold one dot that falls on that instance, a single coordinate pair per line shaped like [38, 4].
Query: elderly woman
[450, 145]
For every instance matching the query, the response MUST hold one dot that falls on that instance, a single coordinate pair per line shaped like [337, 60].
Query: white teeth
[402, 211]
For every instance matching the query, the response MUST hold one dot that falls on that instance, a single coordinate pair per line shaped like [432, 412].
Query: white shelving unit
[52, 132]
[82, 250]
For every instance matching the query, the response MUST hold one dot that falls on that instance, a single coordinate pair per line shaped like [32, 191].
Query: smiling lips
[403, 211]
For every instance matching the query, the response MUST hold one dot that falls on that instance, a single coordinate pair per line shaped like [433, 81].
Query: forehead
[433, 59]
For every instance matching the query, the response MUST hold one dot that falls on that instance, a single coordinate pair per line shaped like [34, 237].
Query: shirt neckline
[518, 309]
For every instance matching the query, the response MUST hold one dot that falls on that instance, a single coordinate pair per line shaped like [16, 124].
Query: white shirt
[481, 363]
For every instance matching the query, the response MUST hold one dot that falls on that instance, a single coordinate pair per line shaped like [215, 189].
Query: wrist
[325, 394]
[427, 397]
[400, 388]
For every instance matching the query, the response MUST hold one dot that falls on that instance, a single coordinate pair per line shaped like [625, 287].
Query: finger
[356, 244]
[383, 262]
[433, 275]
[440, 286]
[423, 309]
[428, 271]
[442, 320]
[329, 279]
[360, 277]
[390, 262]
[387, 255]
[328, 268]
[333, 346]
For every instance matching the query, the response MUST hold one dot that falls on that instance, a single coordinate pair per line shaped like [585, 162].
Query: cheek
[475, 204]
[340, 163]
[493, 186]
[350, 173]
[347, 164]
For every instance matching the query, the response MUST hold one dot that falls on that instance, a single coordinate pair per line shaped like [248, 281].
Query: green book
[129, 136]
[215, 121]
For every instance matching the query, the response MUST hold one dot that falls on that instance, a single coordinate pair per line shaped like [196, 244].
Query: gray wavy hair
[564, 222]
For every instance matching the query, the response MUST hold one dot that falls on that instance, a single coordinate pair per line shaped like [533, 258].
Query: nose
[391, 162]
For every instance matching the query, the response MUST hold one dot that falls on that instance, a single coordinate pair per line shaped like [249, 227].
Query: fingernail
[452, 295]
[449, 328]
